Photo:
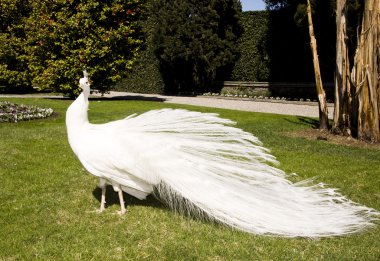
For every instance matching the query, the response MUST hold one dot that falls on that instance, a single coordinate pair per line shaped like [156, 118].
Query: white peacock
[198, 162]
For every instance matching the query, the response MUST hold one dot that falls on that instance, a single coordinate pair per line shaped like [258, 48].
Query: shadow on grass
[112, 198]
[311, 122]
[128, 98]
[116, 98]
[186, 209]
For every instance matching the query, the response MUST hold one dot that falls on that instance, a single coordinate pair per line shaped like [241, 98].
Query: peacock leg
[103, 199]
[102, 185]
[122, 210]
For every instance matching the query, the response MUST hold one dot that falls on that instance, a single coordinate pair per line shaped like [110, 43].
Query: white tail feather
[223, 172]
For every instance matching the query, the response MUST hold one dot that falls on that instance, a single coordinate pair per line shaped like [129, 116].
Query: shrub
[14, 73]
[49, 43]
[273, 48]
[67, 36]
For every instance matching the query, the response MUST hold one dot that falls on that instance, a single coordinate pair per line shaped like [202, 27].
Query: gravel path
[305, 109]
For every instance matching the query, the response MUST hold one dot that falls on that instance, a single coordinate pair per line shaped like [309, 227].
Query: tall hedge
[272, 48]
[253, 62]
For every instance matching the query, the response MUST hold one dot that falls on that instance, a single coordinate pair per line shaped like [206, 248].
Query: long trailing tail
[212, 168]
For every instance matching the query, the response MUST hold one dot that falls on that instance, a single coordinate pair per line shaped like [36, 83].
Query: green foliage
[158, 46]
[67, 36]
[194, 41]
[145, 76]
[13, 64]
[253, 63]
[272, 48]
[49, 43]
[14, 71]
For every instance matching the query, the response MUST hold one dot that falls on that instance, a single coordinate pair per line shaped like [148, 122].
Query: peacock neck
[76, 118]
[85, 93]
[80, 109]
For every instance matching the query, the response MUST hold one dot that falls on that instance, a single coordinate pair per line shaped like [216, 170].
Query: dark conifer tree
[194, 41]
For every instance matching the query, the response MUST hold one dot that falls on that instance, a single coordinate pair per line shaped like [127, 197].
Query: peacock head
[84, 83]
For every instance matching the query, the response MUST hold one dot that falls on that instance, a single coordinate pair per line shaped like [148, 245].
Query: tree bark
[323, 113]
[366, 73]
[343, 92]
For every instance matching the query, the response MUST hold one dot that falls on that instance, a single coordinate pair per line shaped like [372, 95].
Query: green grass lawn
[48, 201]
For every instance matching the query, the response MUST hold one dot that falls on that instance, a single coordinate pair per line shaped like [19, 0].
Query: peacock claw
[120, 212]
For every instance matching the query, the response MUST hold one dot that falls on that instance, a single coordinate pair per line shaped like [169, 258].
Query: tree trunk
[323, 113]
[366, 73]
[343, 98]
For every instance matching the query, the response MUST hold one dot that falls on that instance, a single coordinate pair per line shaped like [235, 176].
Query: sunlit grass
[48, 201]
